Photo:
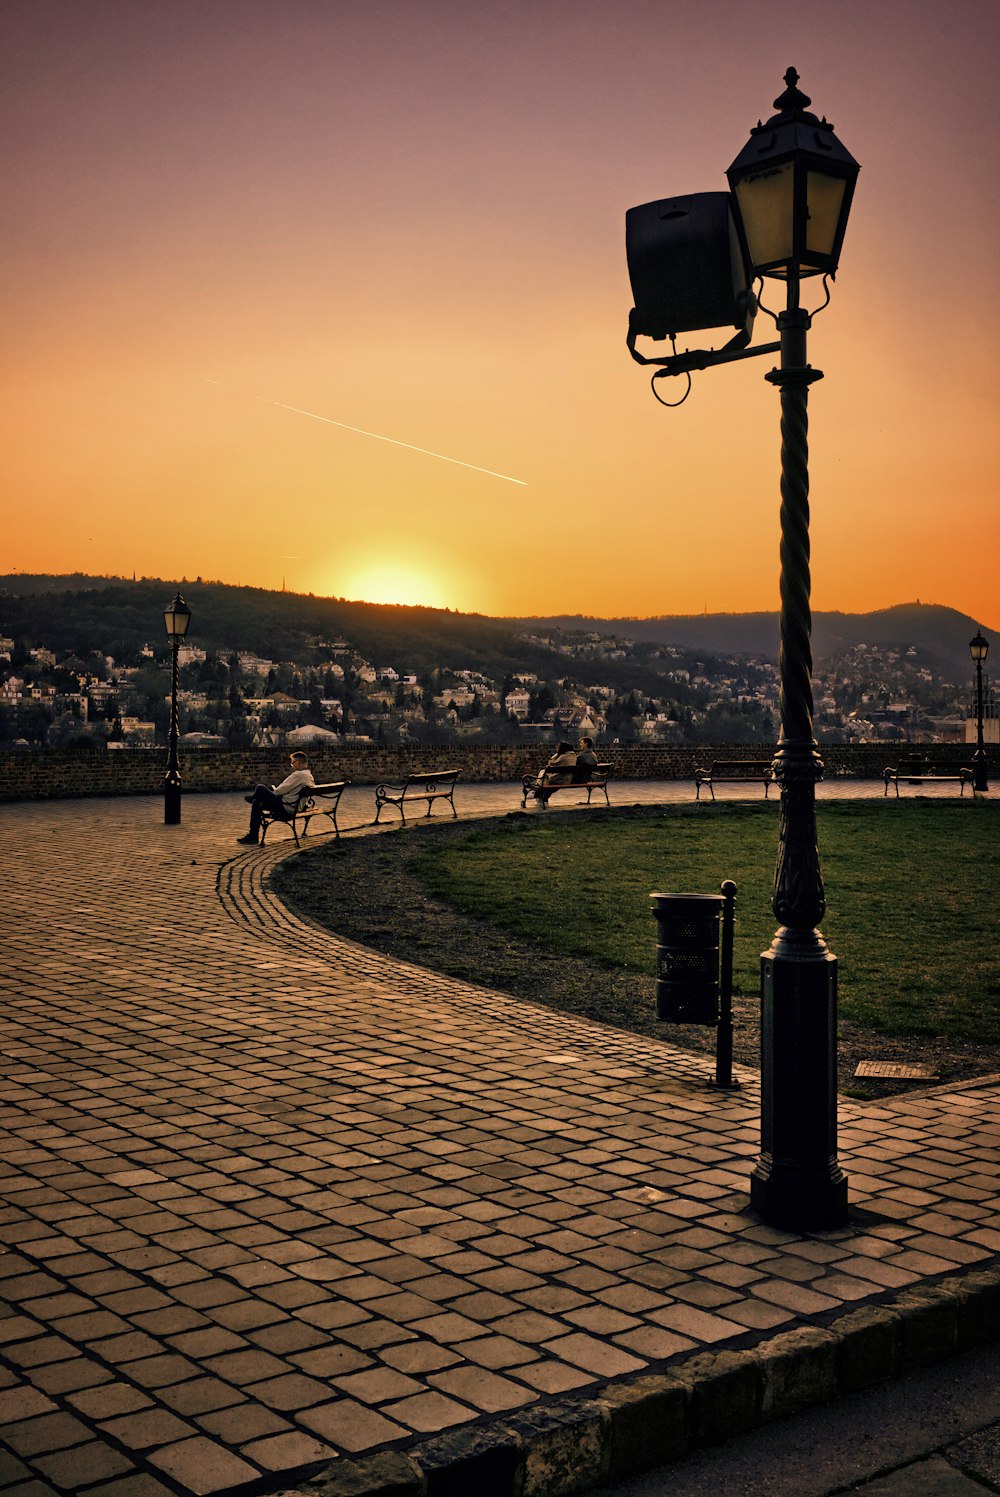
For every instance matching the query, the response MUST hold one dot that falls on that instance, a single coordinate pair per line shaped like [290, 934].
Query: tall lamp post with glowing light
[979, 649]
[692, 262]
[177, 617]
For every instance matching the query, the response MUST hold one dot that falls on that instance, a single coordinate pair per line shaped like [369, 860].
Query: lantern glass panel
[766, 202]
[176, 620]
[824, 201]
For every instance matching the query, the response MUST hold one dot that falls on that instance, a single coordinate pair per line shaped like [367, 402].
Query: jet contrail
[378, 437]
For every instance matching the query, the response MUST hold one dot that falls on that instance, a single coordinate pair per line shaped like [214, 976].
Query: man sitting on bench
[586, 759]
[278, 800]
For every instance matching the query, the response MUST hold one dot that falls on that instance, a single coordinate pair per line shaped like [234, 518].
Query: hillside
[118, 616]
[943, 633]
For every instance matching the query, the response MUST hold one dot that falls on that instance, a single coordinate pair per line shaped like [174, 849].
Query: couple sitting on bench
[566, 767]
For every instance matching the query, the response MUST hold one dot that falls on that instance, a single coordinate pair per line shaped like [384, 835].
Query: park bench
[547, 782]
[314, 800]
[734, 771]
[438, 784]
[916, 771]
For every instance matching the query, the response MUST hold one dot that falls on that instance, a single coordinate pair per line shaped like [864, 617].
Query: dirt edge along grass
[555, 909]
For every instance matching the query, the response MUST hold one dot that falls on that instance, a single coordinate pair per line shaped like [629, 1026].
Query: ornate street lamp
[793, 183]
[177, 617]
[792, 186]
[979, 649]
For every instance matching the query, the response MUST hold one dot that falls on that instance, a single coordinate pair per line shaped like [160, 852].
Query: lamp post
[177, 617]
[792, 184]
[979, 649]
[791, 188]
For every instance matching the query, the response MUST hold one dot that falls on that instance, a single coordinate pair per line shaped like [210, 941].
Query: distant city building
[517, 703]
[253, 664]
[138, 734]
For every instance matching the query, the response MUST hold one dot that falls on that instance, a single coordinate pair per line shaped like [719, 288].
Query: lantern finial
[793, 98]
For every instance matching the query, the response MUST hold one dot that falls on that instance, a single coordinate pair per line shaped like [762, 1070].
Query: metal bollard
[689, 986]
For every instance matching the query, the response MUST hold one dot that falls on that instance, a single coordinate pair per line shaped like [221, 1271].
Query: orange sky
[407, 216]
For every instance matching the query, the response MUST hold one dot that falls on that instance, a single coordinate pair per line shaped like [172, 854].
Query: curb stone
[797, 1368]
[625, 1428]
[650, 1422]
[866, 1338]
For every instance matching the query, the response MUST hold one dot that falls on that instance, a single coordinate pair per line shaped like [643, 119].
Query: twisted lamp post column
[979, 647]
[797, 1182]
[176, 617]
[172, 778]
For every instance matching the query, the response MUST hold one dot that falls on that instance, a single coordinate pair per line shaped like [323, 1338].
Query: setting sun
[394, 584]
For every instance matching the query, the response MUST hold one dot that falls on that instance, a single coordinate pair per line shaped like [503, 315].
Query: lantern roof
[793, 131]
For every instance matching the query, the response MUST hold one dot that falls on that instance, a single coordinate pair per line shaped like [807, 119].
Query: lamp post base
[797, 1183]
[799, 1204]
[171, 801]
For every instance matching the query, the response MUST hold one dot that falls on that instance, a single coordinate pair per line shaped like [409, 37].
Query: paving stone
[27, 1437]
[484, 1390]
[200, 1395]
[554, 1377]
[293, 1390]
[136, 1484]
[242, 1423]
[25, 1402]
[72, 1470]
[424, 1412]
[147, 1428]
[351, 1427]
[286, 1451]
[12, 1469]
[593, 1355]
[40, 1351]
[202, 1465]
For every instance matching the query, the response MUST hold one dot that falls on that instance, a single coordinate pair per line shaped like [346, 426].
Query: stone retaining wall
[29, 774]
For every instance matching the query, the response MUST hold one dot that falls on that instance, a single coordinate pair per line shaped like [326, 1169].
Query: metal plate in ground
[900, 1070]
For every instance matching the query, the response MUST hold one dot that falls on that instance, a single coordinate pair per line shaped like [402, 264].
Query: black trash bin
[687, 957]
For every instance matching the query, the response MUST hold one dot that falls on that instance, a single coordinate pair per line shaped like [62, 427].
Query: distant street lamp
[979, 649]
[177, 617]
[785, 218]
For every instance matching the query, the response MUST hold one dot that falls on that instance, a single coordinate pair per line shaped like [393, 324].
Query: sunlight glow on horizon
[399, 585]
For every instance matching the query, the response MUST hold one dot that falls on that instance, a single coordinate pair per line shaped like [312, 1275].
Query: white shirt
[290, 787]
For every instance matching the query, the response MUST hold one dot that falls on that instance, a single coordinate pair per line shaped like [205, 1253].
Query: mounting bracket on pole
[700, 358]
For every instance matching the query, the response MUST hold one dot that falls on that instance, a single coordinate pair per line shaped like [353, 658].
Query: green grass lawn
[911, 895]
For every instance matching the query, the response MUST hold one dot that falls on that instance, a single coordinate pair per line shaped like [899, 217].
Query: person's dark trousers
[264, 799]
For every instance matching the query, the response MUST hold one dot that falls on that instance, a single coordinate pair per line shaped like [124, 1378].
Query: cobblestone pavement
[272, 1200]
